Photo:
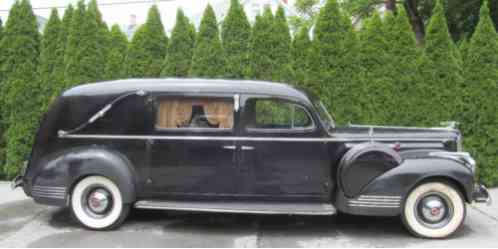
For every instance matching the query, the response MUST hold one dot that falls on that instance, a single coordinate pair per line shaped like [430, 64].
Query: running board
[240, 207]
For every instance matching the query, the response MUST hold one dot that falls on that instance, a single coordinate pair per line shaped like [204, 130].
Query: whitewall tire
[97, 203]
[434, 210]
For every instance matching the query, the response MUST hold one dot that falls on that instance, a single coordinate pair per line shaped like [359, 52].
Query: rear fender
[62, 172]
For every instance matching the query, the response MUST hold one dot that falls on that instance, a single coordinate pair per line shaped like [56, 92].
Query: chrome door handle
[247, 148]
[229, 147]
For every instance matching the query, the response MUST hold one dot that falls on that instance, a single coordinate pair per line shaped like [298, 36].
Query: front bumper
[481, 194]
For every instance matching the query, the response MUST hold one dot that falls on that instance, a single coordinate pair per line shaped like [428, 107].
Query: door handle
[229, 147]
[247, 148]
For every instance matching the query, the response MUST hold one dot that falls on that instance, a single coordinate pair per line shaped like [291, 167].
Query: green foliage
[62, 42]
[181, 46]
[235, 33]
[259, 57]
[301, 49]
[402, 68]
[103, 34]
[209, 57]
[445, 60]
[148, 47]
[115, 64]
[1, 29]
[19, 62]
[280, 52]
[85, 51]
[333, 63]
[51, 58]
[375, 64]
[481, 86]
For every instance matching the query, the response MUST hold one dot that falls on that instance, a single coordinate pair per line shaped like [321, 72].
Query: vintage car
[240, 147]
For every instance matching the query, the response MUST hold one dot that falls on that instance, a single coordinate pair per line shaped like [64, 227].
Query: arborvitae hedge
[280, 52]
[51, 58]
[260, 61]
[103, 34]
[236, 33]
[148, 47]
[444, 57]
[61, 48]
[374, 65]
[84, 56]
[19, 88]
[402, 69]
[481, 85]
[209, 58]
[180, 50]
[2, 128]
[115, 67]
[300, 52]
[333, 63]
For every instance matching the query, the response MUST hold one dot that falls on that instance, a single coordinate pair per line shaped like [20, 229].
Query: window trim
[302, 130]
[156, 100]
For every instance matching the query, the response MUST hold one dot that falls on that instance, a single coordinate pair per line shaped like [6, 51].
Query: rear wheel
[97, 203]
[434, 210]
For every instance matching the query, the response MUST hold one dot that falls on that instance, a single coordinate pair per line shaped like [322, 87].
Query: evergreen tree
[104, 35]
[209, 57]
[301, 48]
[50, 59]
[181, 46]
[115, 64]
[148, 47]
[259, 57]
[235, 33]
[84, 55]
[442, 53]
[281, 48]
[481, 85]
[374, 61]
[1, 29]
[62, 41]
[333, 63]
[20, 54]
[403, 70]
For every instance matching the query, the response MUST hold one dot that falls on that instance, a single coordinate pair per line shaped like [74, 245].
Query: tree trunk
[415, 20]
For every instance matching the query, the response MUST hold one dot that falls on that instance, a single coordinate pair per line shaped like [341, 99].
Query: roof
[186, 85]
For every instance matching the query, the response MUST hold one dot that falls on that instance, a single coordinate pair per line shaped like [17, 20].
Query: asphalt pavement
[23, 223]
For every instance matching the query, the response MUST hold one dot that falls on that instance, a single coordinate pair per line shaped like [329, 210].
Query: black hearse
[240, 147]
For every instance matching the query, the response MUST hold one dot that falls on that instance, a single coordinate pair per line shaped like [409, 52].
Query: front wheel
[434, 210]
[97, 203]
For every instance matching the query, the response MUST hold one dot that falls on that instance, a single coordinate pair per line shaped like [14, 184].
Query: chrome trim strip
[49, 188]
[231, 138]
[328, 210]
[374, 203]
[48, 191]
[49, 196]
[381, 196]
[374, 206]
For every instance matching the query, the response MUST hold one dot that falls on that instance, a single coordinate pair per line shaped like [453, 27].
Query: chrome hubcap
[99, 201]
[434, 210]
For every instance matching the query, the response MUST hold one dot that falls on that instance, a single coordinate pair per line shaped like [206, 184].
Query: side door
[193, 153]
[283, 155]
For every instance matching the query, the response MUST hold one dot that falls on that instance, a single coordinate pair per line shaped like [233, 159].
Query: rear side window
[276, 114]
[177, 113]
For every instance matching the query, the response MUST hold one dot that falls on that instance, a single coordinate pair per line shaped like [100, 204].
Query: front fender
[399, 181]
[60, 173]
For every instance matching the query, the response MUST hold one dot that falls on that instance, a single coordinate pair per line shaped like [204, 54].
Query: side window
[177, 113]
[276, 114]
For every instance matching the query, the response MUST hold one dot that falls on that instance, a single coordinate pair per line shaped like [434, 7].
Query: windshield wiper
[101, 113]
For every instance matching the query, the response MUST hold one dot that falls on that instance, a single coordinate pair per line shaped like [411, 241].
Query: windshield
[325, 116]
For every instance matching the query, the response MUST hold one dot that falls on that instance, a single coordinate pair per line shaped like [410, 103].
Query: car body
[238, 146]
